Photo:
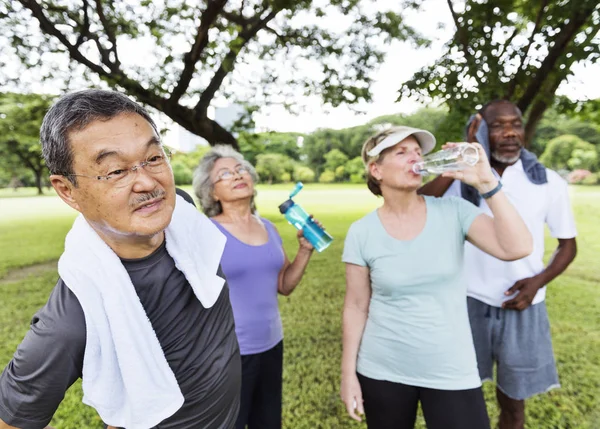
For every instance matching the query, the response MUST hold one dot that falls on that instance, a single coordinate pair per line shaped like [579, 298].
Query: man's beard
[505, 159]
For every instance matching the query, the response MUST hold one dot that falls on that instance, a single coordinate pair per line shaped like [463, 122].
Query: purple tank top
[252, 274]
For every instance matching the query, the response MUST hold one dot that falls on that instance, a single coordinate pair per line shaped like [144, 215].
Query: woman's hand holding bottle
[480, 176]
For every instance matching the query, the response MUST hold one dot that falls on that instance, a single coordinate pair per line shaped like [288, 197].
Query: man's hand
[472, 131]
[526, 288]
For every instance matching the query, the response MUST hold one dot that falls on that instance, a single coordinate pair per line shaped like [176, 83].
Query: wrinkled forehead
[225, 163]
[502, 111]
[123, 136]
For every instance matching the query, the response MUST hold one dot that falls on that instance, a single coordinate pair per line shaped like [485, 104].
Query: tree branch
[272, 30]
[116, 77]
[200, 42]
[536, 113]
[85, 27]
[228, 63]
[109, 32]
[566, 35]
[461, 36]
[536, 28]
[47, 27]
[236, 19]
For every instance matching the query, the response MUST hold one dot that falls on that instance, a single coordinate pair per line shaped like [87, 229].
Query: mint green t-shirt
[417, 331]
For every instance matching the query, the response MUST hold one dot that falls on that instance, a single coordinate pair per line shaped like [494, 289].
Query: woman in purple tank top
[257, 269]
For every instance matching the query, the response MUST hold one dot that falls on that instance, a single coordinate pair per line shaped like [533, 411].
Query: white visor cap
[425, 138]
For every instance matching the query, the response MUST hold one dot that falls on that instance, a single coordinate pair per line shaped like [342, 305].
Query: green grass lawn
[32, 231]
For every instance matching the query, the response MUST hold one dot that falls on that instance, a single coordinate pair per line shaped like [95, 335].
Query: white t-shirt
[488, 277]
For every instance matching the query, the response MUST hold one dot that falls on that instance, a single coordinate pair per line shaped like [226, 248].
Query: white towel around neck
[126, 377]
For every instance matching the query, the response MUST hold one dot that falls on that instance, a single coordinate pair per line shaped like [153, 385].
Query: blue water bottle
[296, 215]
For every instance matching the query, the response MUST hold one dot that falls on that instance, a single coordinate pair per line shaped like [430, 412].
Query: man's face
[139, 205]
[506, 132]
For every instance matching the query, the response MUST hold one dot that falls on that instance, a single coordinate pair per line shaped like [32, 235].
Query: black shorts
[394, 405]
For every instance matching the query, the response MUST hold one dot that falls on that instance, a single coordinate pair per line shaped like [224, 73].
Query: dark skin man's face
[506, 131]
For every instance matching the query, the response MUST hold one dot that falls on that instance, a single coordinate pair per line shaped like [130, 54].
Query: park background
[297, 87]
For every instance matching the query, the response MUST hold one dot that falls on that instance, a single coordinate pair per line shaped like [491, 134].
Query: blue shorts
[519, 343]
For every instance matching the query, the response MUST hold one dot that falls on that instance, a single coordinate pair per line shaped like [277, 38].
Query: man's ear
[65, 190]
[473, 129]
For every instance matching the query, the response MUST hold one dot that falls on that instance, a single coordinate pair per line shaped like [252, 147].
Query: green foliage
[190, 159]
[583, 159]
[568, 151]
[556, 123]
[182, 173]
[513, 49]
[340, 173]
[592, 179]
[272, 166]
[282, 143]
[250, 146]
[327, 176]
[21, 116]
[355, 166]
[335, 158]
[357, 178]
[349, 141]
[303, 174]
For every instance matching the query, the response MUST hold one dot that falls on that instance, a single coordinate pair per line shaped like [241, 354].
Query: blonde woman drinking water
[406, 334]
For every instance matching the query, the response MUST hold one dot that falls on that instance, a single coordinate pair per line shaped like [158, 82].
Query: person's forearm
[562, 257]
[354, 321]
[511, 232]
[437, 187]
[294, 272]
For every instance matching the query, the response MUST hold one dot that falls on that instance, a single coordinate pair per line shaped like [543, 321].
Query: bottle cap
[285, 206]
[297, 189]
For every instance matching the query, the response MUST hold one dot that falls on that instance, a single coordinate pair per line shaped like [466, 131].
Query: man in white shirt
[508, 315]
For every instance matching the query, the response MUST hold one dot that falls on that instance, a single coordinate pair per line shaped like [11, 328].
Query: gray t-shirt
[199, 344]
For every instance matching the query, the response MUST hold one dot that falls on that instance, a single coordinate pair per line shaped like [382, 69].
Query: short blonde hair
[372, 183]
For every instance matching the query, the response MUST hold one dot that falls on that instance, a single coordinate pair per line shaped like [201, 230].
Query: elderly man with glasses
[141, 310]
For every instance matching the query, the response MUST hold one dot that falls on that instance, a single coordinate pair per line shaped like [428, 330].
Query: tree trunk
[541, 103]
[38, 181]
[535, 116]
[204, 127]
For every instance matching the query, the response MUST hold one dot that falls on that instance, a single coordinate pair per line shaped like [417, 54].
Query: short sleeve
[466, 212]
[559, 217]
[353, 251]
[47, 362]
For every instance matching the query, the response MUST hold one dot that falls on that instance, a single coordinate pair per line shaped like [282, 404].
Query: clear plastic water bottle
[453, 159]
[296, 215]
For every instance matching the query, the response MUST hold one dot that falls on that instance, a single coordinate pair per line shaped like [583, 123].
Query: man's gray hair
[74, 112]
[203, 182]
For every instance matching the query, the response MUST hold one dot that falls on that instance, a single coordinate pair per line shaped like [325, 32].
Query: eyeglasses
[122, 177]
[228, 174]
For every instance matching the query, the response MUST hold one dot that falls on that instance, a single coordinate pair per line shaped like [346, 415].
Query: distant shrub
[327, 176]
